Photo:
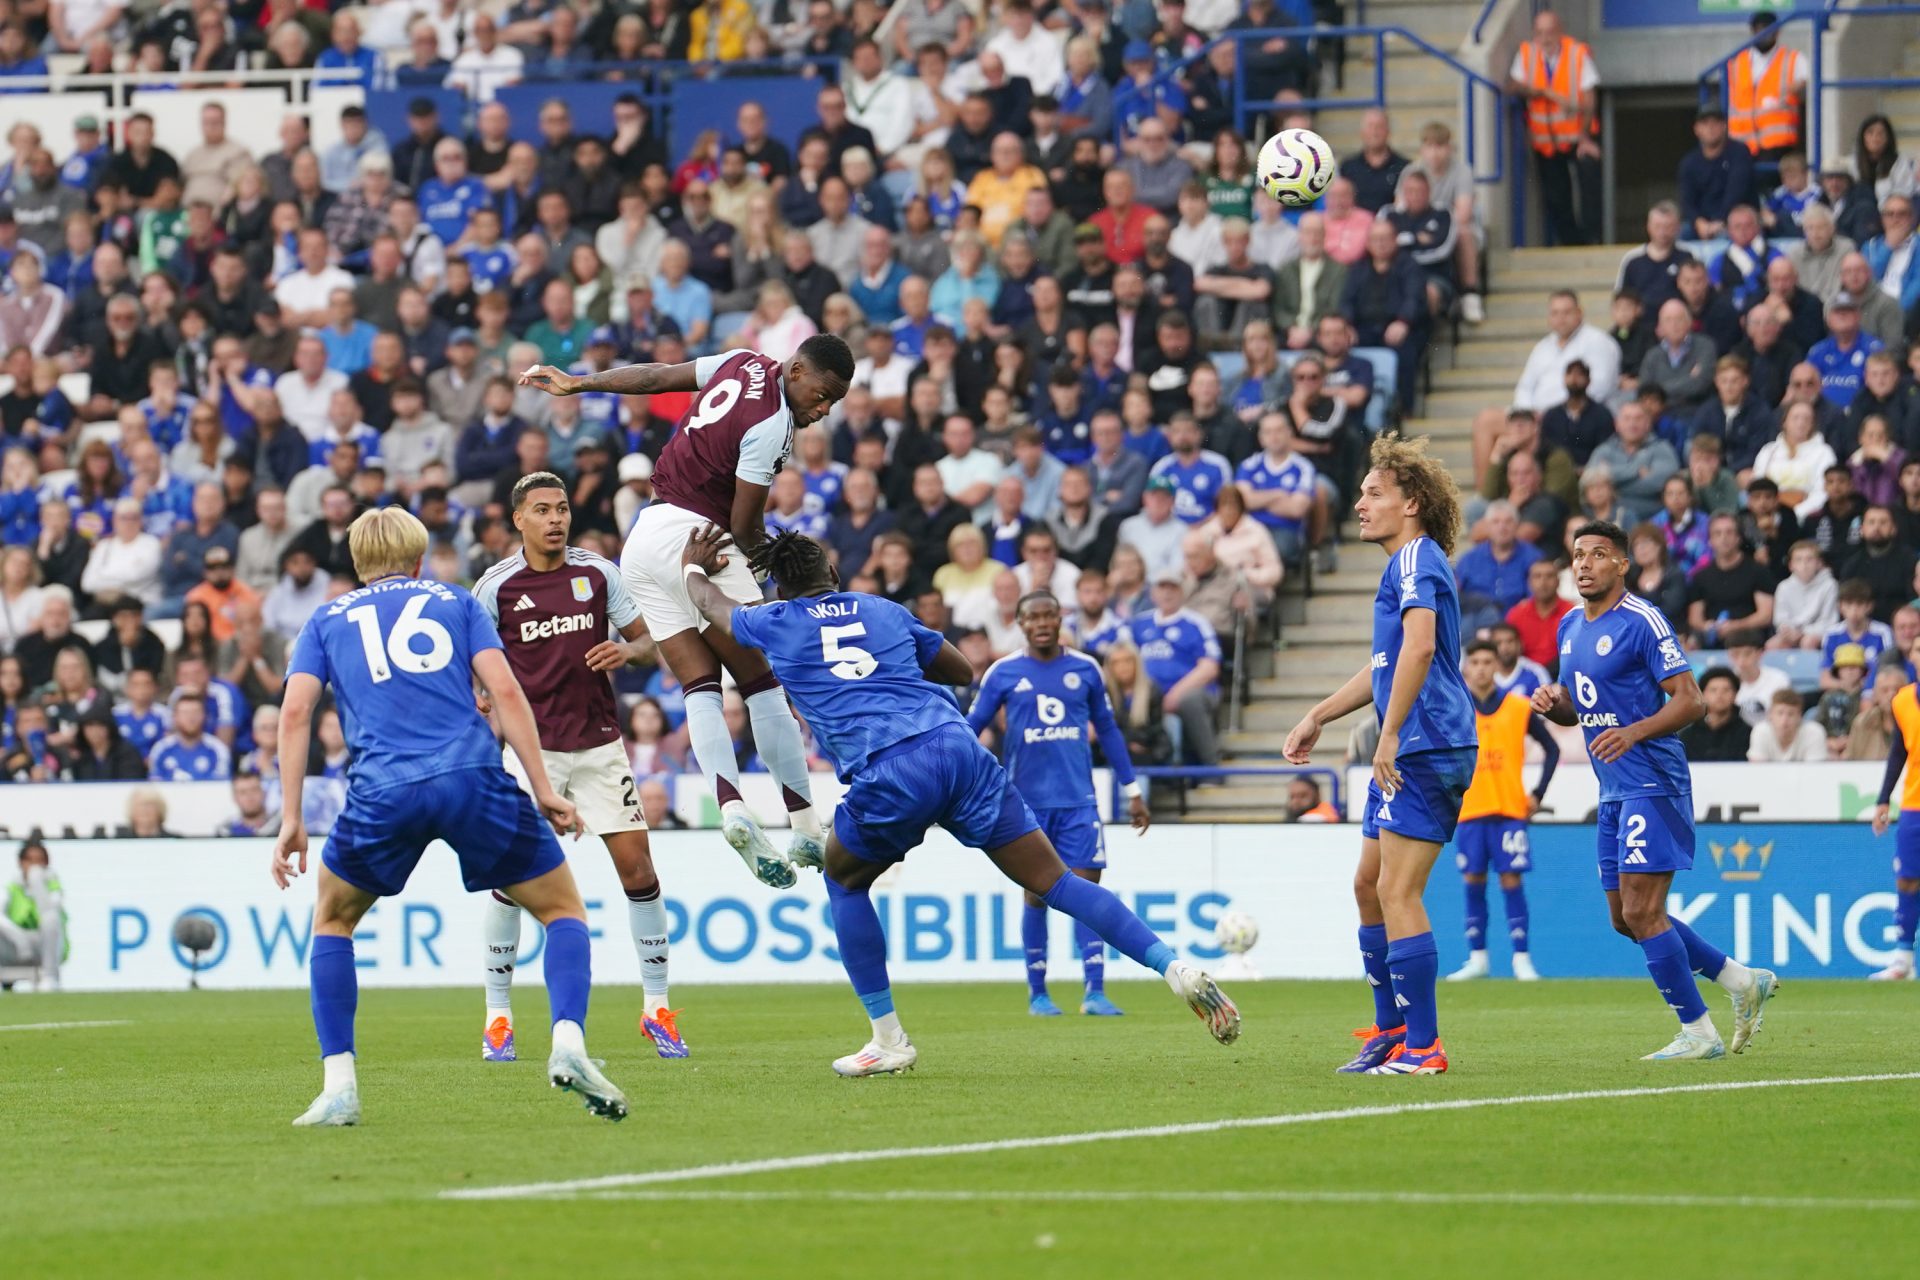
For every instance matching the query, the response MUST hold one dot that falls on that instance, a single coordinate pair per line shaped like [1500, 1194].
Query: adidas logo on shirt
[526, 602]
[1025, 686]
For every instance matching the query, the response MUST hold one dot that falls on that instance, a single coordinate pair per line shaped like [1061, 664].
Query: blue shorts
[1906, 846]
[1644, 836]
[1076, 834]
[1427, 806]
[1499, 843]
[490, 822]
[942, 777]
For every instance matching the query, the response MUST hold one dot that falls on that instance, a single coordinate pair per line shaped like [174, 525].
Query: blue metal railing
[1486, 11]
[1713, 81]
[1244, 110]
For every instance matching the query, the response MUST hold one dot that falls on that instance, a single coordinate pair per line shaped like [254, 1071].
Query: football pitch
[153, 1140]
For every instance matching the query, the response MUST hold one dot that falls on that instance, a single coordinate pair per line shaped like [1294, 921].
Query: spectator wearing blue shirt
[1714, 177]
[347, 338]
[1119, 474]
[1037, 470]
[489, 258]
[1198, 474]
[1894, 255]
[1788, 203]
[189, 753]
[681, 298]
[1280, 485]
[1740, 273]
[1492, 575]
[1841, 357]
[447, 199]
[1066, 427]
[1181, 654]
[142, 720]
[1140, 95]
[876, 285]
[83, 168]
[490, 445]
[352, 62]
[17, 60]
[1103, 383]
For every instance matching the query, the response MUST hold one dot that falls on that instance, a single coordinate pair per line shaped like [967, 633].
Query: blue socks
[863, 947]
[1667, 961]
[1703, 957]
[1093, 957]
[1033, 940]
[1108, 917]
[335, 991]
[1516, 917]
[1373, 954]
[568, 970]
[1906, 914]
[1476, 915]
[1414, 964]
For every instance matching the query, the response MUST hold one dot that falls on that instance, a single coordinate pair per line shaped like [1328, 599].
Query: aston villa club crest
[582, 589]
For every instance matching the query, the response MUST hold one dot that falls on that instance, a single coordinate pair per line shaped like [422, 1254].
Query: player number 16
[398, 647]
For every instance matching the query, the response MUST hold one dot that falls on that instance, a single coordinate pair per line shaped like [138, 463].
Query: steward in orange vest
[1764, 85]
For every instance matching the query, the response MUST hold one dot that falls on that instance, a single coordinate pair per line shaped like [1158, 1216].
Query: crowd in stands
[1749, 410]
[1093, 357]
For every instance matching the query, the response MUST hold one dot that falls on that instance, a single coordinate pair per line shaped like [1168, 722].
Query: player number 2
[849, 662]
[397, 649]
[1636, 831]
[720, 397]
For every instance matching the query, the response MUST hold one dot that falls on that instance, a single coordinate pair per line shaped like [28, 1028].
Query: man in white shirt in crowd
[1543, 382]
[1758, 683]
[968, 473]
[304, 294]
[306, 391]
[884, 373]
[878, 100]
[486, 65]
[1027, 48]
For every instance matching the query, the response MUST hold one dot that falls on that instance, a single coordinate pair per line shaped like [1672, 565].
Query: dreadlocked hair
[791, 559]
[1425, 480]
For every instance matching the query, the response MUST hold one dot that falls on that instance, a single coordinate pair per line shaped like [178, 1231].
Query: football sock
[500, 927]
[1517, 921]
[1373, 954]
[1107, 916]
[1033, 940]
[1906, 914]
[1667, 962]
[647, 921]
[713, 743]
[1414, 965]
[776, 735]
[1710, 962]
[335, 992]
[1093, 957]
[1476, 915]
[863, 951]
[338, 1072]
[568, 966]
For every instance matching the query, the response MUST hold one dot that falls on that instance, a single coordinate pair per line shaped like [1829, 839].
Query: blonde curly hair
[1424, 479]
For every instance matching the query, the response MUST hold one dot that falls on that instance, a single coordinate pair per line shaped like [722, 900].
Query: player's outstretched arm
[705, 554]
[1356, 693]
[632, 380]
[296, 736]
[516, 724]
[949, 666]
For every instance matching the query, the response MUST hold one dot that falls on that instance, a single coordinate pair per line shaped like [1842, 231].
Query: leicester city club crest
[1604, 647]
[582, 589]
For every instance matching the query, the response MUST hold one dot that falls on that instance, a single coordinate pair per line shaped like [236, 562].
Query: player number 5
[849, 662]
[397, 649]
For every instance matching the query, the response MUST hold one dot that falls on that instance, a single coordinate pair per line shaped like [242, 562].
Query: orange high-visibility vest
[1776, 124]
[1552, 127]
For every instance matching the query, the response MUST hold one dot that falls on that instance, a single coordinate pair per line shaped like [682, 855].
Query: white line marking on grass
[1520, 1199]
[824, 1159]
[62, 1026]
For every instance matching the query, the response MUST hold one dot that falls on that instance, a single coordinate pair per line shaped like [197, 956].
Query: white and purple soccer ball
[1236, 932]
[1295, 167]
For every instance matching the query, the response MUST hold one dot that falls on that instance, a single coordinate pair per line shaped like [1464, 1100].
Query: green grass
[162, 1147]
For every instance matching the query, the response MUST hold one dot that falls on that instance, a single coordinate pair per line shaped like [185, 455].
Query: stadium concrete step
[1474, 377]
[1509, 355]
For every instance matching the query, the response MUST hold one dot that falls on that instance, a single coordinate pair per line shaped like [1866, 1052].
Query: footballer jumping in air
[717, 468]
[1632, 692]
[402, 656]
[553, 606]
[1493, 817]
[867, 676]
[1052, 697]
[1906, 846]
[1424, 764]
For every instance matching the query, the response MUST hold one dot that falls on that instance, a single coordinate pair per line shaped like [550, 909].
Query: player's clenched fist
[1547, 697]
[555, 382]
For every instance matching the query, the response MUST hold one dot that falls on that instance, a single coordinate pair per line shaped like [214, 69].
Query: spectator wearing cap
[1855, 213]
[1181, 653]
[222, 592]
[1841, 357]
[1714, 177]
[413, 155]
[1894, 255]
[1155, 531]
[1140, 95]
[85, 167]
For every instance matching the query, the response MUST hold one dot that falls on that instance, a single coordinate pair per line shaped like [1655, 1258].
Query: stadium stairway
[1326, 637]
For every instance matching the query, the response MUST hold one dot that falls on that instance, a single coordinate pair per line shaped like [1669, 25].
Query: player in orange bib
[1493, 817]
[1906, 847]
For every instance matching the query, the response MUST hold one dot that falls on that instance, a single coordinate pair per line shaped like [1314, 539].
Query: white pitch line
[62, 1026]
[1515, 1199]
[824, 1159]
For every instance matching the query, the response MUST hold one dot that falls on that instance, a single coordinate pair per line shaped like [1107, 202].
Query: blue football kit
[399, 656]
[1050, 705]
[1438, 742]
[854, 667]
[1612, 668]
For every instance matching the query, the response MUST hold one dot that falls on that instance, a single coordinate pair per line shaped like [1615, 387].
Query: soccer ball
[1236, 932]
[1295, 167]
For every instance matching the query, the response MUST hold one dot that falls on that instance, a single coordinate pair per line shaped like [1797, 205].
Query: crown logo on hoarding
[1741, 860]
